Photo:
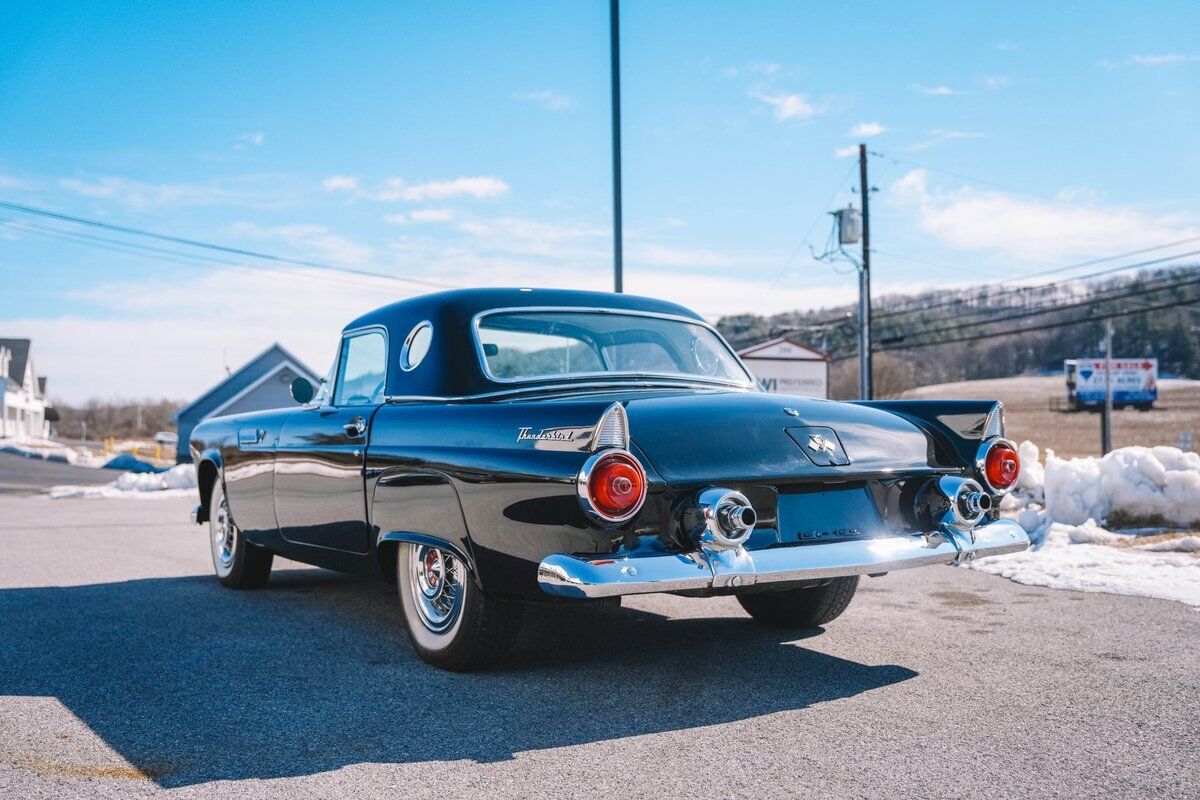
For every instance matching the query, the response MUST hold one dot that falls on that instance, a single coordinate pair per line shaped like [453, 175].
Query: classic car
[483, 449]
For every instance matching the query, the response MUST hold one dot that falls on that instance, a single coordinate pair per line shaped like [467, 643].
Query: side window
[362, 370]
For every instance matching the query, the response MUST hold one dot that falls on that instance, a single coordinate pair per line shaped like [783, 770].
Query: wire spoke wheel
[436, 581]
[224, 539]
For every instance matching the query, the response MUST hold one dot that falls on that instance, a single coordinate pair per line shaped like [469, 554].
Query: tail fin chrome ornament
[613, 429]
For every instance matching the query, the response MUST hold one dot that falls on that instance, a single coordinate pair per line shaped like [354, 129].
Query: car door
[319, 483]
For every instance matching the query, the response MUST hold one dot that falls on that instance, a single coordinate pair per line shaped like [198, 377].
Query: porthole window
[416, 346]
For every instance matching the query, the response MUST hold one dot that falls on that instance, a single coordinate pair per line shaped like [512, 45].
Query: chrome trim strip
[630, 573]
[664, 382]
[408, 340]
[475, 320]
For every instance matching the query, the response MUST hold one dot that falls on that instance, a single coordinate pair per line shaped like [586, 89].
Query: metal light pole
[864, 282]
[615, 47]
[1106, 419]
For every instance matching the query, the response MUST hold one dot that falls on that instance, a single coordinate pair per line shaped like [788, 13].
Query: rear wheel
[450, 622]
[238, 563]
[801, 608]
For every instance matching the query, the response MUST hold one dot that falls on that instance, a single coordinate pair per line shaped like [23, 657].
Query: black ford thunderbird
[487, 448]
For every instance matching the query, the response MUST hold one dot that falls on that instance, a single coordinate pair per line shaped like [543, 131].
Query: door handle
[355, 427]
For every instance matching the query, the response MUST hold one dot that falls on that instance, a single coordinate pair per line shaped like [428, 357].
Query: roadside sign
[1134, 381]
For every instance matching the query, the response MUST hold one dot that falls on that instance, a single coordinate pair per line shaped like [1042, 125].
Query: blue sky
[468, 144]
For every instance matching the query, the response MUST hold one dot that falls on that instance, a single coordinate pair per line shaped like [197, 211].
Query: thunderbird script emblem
[546, 435]
[819, 444]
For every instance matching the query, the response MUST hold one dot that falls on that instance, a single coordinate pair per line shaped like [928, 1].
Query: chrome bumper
[659, 571]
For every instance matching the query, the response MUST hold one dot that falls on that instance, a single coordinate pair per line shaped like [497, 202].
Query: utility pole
[864, 282]
[1106, 418]
[615, 61]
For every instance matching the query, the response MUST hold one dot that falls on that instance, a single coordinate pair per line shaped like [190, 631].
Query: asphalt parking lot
[126, 670]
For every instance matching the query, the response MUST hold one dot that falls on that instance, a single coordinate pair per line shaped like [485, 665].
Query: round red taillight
[614, 485]
[1001, 466]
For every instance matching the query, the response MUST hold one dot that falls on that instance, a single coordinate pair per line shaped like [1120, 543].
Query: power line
[983, 294]
[807, 234]
[1035, 328]
[1162, 285]
[237, 251]
[162, 254]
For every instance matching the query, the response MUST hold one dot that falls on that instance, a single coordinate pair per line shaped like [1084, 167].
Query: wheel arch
[208, 472]
[421, 507]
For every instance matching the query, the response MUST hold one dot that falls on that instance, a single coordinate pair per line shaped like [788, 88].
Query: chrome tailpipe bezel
[952, 502]
[728, 519]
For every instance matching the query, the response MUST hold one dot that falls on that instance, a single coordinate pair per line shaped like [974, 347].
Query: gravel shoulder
[127, 671]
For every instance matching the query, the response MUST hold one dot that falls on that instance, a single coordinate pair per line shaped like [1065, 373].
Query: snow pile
[177, 481]
[1059, 504]
[1068, 557]
[1156, 484]
[47, 450]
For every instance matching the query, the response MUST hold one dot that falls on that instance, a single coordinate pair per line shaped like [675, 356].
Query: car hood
[706, 436]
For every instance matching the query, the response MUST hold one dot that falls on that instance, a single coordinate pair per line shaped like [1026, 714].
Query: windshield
[529, 345]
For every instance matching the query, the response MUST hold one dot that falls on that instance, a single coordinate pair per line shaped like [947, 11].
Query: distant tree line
[1172, 335]
[117, 418]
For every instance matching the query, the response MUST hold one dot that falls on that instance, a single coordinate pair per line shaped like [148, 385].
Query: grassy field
[1027, 402]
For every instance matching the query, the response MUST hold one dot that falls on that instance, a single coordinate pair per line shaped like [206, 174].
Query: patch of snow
[1138, 482]
[48, 450]
[1058, 505]
[1065, 560]
[178, 481]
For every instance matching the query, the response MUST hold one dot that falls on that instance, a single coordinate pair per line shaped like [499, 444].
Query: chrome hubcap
[224, 538]
[436, 578]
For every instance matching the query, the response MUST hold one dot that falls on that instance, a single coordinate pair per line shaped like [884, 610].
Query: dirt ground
[1027, 403]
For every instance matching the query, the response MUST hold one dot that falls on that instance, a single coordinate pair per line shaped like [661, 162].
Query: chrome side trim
[664, 382]
[483, 365]
[657, 571]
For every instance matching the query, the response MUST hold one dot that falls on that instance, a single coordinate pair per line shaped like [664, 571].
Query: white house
[23, 403]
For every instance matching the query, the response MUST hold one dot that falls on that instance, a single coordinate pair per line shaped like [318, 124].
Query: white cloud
[1165, 58]
[311, 241]
[1029, 229]
[937, 91]
[864, 130]
[994, 82]
[256, 139]
[1149, 60]
[938, 136]
[788, 106]
[142, 195]
[396, 189]
[432, 215]
[846, 152]
[396, 219]
[551, 100]
[340, 183]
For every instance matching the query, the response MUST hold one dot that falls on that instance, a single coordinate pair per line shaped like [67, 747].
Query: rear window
[529, 345]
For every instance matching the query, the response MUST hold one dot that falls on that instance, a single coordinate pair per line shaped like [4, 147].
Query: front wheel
[450, 622]
[238, 563]
[801, 608]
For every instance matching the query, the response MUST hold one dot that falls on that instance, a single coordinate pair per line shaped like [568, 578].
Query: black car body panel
[492, 469]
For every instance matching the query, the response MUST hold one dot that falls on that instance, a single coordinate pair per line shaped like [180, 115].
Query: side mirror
[302, 391]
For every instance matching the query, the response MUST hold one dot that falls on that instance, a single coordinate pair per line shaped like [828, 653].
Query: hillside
[997, 331]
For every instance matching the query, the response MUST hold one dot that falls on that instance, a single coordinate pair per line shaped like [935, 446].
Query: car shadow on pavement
[190, 682]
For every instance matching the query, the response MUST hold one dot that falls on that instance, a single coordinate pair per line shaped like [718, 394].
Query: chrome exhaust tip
[952, 502]
[728, 519]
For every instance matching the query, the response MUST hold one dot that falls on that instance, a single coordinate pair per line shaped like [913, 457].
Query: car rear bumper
[659, 571]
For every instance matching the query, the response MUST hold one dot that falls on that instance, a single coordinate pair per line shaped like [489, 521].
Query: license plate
[828, 515]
